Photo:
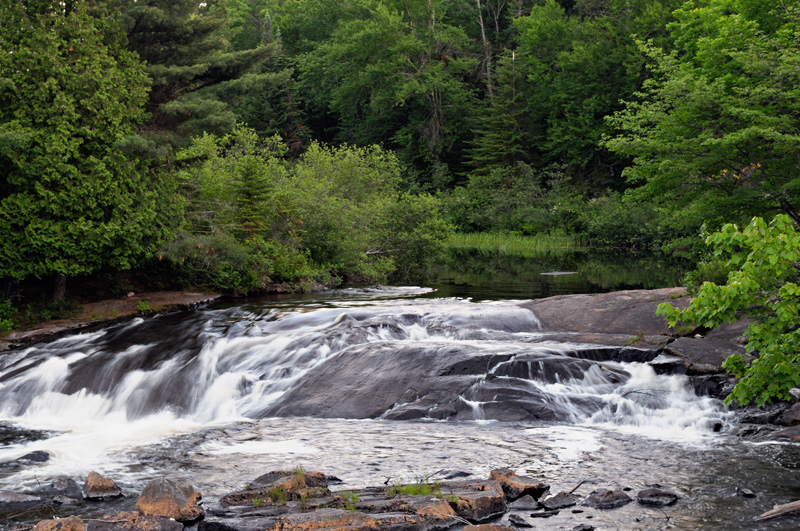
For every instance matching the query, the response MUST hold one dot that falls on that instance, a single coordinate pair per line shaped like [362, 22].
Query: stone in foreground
[515, 487]
[165, 497]
[606, 499]
[71, 523]
[98, 487]
[656, 497]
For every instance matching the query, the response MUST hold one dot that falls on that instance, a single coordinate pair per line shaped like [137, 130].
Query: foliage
[718, 122]
[143, 307]
[335, 213]
[349, 499]
[7, 313]
[764, 286]
[423, 487]
[70, 95]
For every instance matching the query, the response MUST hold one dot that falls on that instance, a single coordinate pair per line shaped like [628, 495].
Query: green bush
[7, 313]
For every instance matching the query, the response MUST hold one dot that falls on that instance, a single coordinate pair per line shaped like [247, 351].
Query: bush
[763, 285]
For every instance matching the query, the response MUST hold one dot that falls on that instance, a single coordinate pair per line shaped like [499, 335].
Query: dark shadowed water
[194, 396]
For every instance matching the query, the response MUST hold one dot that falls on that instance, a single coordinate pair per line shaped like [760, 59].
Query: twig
[576, 486]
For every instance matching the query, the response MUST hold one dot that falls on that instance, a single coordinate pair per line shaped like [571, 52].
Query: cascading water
[213, 383]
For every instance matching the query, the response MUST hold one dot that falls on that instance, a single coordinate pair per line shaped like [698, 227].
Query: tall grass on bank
[516, 245]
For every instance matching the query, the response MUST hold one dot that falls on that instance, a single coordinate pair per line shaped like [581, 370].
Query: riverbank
[102, 313]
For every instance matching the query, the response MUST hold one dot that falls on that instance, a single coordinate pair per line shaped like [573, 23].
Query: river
[223, 394]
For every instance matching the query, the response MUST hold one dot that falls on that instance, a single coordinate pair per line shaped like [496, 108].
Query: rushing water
[213, 396]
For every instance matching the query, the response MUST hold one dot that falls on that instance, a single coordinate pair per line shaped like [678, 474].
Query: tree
[196, 75]
[764, 286]
[70, 96]
[719, 122]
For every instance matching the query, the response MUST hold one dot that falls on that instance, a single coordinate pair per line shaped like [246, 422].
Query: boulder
[515, 487]
[518, 521]
[165, 497]
[65, 486]
[130, 521]
[279, 487]
[559, 501]
[788, 433]
[703, 355]
[38, 456]
[631, 313]
[656, 497]
[71, 523]
[476, 501]
[326, 519]
[526, 503]
[606, 499]
[790, 417]
[98, 487]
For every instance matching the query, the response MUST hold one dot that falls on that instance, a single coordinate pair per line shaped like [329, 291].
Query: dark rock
[165, 497]
[518, 521]
[476, 501]
[789, 433]
[544, 514]
[606, 499]
[310, 479]
[622, 312]
[667, 364]
[713, 385]
[704, 356]
[736, 492]
[487, 527]
[515, 487]
[131, 521]
[766, 414]
[559, 501]
[60, 499]
[656, 497]
[526, 503]
[98, 488]
[583, 527]
[15, 500]
[65, 486]
[71, 523]
[791, 417]
[35, 457]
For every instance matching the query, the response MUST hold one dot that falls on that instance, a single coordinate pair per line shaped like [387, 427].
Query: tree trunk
[60, 288]
[487, 52]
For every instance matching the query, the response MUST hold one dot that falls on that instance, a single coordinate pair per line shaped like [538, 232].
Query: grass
[515, 244]
[420, 488]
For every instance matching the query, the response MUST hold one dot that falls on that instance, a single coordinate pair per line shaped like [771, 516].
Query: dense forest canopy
[132, 130]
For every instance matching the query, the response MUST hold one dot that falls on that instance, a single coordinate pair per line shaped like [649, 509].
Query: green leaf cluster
[763, 285]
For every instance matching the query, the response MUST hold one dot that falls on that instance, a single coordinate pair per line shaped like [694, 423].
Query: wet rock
[98, 487]
[766, 414]
[526, 503]
[736, 492]
[545, 514]
[165, 497]
[518, 521]
[476, 501]
[559, 501]
[310, 479]
[606, 499]
[583, 527]
[667, 364]
[65, 486]
[15, 500]
[789, 433]
[487, 527]
[656, 497]
[791, 417]
[704, 356]
[713, 385]
[515, 487]
[130, 521]
[71, 523]
[60, 499]
[38, 456]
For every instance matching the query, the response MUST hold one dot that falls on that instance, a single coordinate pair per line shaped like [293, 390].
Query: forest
[238, 144]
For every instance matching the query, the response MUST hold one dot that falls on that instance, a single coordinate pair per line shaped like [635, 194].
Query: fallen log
[781, 510]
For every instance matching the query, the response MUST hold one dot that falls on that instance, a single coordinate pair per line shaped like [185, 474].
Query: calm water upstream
[205, 396]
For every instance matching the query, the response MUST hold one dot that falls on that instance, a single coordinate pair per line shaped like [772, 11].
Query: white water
[243, 361]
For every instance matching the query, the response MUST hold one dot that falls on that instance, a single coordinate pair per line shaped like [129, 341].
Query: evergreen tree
[196, 74]
[70, 96]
